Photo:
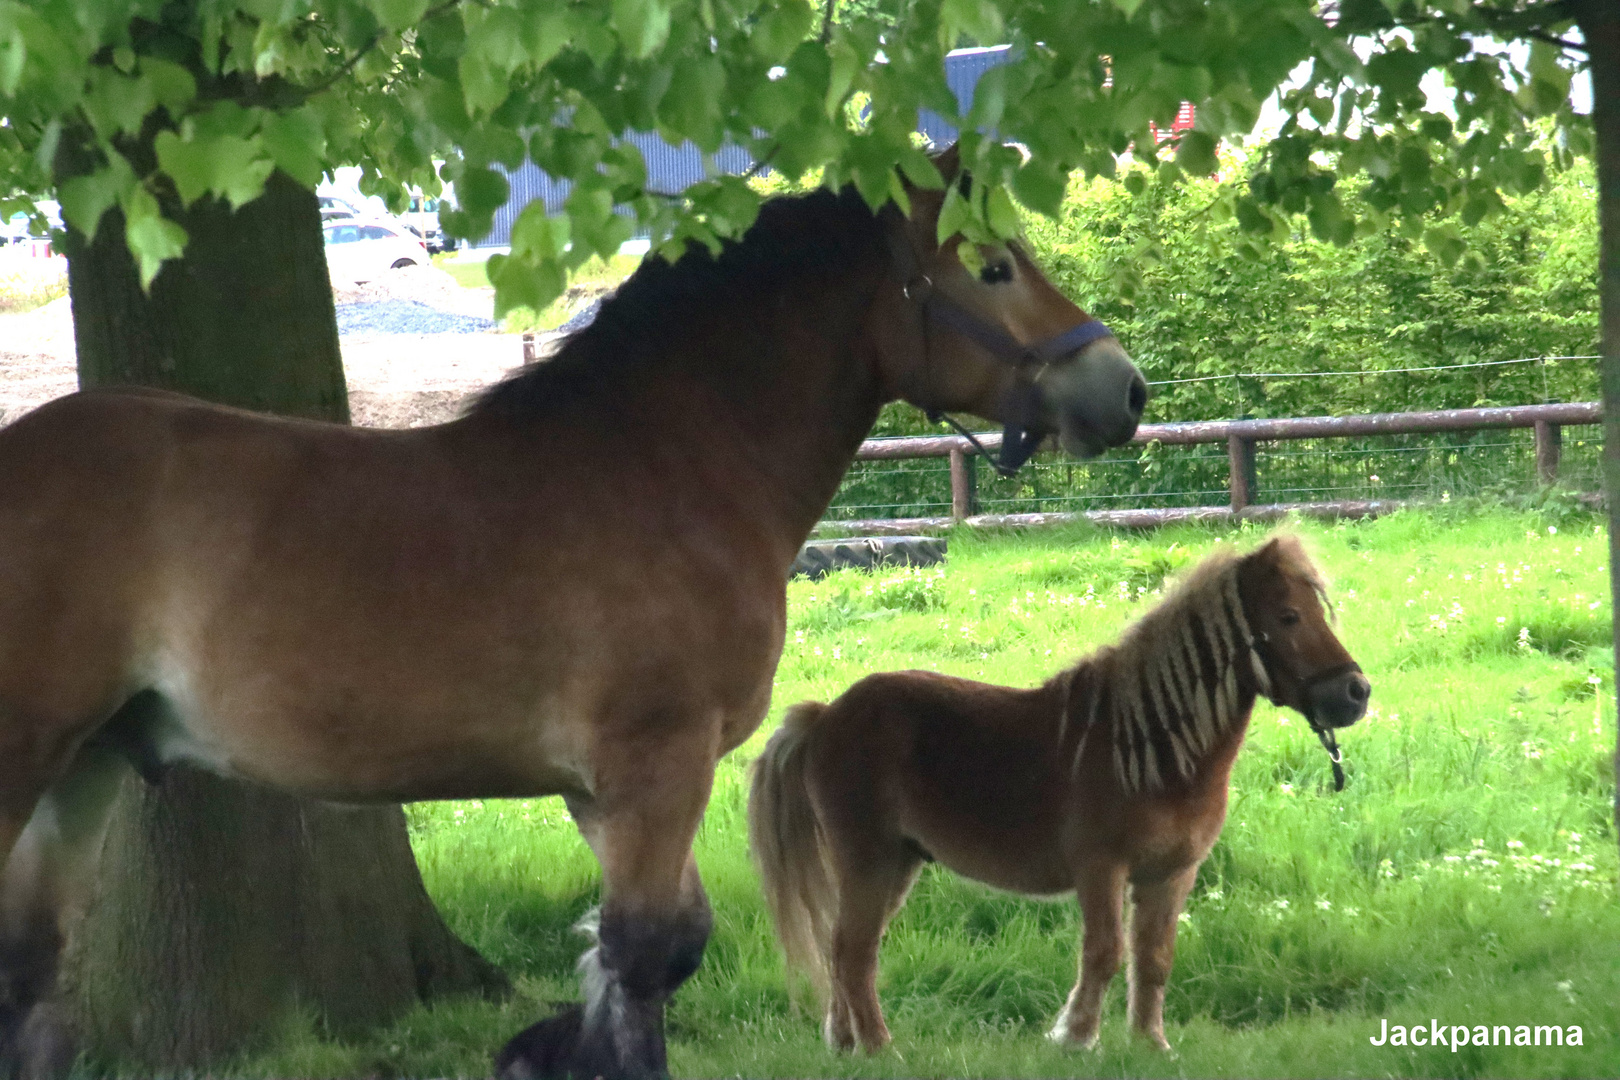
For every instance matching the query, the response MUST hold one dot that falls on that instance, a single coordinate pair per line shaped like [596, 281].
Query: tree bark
[219, 905]
[1599, 21]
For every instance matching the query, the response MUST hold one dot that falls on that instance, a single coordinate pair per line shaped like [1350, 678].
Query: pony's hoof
[1069, 1039]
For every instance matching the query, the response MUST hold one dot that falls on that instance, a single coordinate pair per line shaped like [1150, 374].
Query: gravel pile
[405, 317]
[413, 300]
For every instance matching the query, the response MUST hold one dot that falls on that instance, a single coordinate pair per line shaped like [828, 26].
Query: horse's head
[1308, 668]
[1002, 343]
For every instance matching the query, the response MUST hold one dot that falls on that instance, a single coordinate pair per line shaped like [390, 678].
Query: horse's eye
[996, 273]
[1289, 617]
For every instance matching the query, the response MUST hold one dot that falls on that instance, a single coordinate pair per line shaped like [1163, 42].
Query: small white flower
[1324, 905]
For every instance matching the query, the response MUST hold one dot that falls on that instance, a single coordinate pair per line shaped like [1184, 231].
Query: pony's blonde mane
[1169, 690]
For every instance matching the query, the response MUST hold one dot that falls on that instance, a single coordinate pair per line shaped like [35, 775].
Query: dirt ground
[395, 380]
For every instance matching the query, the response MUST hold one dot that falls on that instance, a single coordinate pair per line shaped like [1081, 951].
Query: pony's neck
[1176, 694]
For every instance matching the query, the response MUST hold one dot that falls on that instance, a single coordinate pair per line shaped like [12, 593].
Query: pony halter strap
[1329, 741]
[1018, 442]
[1324, 734]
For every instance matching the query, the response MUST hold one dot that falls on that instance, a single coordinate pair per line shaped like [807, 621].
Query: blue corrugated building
[675, 168]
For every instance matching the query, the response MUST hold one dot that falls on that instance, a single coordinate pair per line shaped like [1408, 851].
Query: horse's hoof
[47, 1045]
[557, 1049]
[544, 1051]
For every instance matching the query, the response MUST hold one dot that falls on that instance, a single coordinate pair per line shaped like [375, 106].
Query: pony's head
[1308, 669]
[1002, 343]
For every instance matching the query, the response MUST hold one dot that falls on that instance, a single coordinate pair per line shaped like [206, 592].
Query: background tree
[153, 120]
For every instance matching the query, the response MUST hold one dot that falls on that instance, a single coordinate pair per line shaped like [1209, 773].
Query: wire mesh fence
[1432, 466]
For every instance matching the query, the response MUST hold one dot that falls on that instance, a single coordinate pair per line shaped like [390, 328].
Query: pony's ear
[949, 162]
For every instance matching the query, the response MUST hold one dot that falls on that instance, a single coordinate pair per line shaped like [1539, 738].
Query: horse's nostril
[1137, 395]
[1359, 690]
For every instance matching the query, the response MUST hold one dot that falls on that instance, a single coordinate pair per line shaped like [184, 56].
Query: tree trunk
[220, 905]
[1599, 21]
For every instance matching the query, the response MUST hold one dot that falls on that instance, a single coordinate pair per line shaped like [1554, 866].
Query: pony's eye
[1289, 617]
[996, 273]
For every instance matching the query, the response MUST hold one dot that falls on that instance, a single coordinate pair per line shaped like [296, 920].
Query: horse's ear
[949, 162]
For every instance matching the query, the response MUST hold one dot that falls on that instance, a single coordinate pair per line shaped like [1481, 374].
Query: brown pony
[1113, 772]
[577, 588]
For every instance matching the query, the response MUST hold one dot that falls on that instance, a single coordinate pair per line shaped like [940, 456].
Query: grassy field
[1467, 873]
[596, 274]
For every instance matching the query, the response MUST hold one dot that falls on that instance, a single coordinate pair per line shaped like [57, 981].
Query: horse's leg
[44, 887]
[868, 897]
[1153, 948]
[1102, 902]
[653, 925]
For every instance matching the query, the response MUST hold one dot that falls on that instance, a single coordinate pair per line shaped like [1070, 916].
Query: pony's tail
[785, 837]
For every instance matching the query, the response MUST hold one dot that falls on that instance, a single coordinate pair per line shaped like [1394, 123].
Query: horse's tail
[789, 849]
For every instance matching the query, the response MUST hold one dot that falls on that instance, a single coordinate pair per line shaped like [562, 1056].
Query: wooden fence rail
[1240, 437]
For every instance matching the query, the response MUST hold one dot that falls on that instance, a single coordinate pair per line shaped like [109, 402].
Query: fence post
[1240, 453]
[1549, 441]
[963, 485]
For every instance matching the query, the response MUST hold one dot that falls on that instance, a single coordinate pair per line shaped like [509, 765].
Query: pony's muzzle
[1340, 701]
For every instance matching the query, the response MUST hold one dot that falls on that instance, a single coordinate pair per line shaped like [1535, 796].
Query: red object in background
[1183, 122]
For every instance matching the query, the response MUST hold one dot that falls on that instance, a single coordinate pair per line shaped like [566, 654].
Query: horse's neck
[783, 414]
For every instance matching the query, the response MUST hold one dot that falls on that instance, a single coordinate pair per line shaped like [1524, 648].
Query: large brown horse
[1112, 773]
[576, 589]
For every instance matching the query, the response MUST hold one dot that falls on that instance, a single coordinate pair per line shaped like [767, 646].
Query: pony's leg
[1102, 903]
[1153, 947]
[43, 889]
[838, 1030]
[867, 900]
[653, 925]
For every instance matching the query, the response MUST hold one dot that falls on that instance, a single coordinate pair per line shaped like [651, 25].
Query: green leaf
[525, 283]
[691, 107]
[296, 142]
[228, 166]
[1195, 153]
[545, 32]
[642, 25]
[1040, 186]
[116, 104]
[781, 30]
[173, 87]
[1127, 6]
[1002, 215]
[955, 215]
[979, 19]
[85, 198]
[152, 239]
[536, 234]
[399, 15]
[1136, 182]
[1446, 243]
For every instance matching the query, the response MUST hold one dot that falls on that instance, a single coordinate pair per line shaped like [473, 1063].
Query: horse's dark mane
[794, 240]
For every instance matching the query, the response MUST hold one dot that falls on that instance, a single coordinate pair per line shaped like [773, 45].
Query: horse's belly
[368, 751]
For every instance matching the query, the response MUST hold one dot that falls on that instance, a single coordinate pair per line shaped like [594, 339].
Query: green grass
[26, 284]
[1466, 874]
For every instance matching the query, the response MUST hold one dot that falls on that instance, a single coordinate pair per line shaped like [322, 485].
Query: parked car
[365, 250]
[423, 220]
[333, 208]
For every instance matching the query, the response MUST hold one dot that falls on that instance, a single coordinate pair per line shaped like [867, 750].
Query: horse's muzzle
[1341, 700]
